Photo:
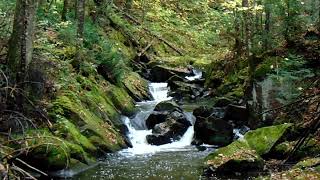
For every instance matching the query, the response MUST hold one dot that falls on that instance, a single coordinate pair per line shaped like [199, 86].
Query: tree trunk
[80, 18]
[65, 10]
[80, 31]
[267, 26]
[238, 44]
[20, 44]
[245, 4]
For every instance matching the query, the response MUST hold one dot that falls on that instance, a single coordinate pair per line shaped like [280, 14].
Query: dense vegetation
[70, 69]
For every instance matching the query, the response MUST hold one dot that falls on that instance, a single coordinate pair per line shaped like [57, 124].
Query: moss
[71, 133]
[263, 139]
[122, 100]
[69, 106]
[238, 153]
[47, 151]
[267, 66]
[313, 162]
[136, 86]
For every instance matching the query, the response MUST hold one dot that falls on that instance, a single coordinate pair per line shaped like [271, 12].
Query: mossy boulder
[122, 100]
[136, 86]
[263, 139]
[244, 155]
[100, 131]
[236, 157]
[47, 151]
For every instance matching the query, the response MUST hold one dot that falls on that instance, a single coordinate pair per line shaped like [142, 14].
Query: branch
[31, 167]
[145, 49]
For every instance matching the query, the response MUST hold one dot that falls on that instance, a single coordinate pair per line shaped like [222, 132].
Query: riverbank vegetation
[70, 69]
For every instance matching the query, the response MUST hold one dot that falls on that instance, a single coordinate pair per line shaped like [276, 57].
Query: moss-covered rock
[263, 139]
[136, 86]
[236, 157]
[100, 132]
[47, 151]
[122, 100]
[244, 155]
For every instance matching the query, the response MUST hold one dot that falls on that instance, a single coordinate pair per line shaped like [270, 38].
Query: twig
[24, 117]
[7, 82]
[31, 167]
[23, 171]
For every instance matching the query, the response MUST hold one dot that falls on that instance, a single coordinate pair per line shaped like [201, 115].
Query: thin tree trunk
[238, 44]
[65, 10]
[80, 32]
[267, 26]
[245, 3]
[80, 17]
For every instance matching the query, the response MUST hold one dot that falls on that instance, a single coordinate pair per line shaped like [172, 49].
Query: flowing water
[177, 160]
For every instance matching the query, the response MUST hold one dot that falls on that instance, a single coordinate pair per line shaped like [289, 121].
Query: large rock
[239, 114]
[264, 139]
[167, 106]
[172, 129]
[244, 155]
[179, 88]
[203, 111]
[156, 118]
[161, 73]
[213, 131]
[238, 157]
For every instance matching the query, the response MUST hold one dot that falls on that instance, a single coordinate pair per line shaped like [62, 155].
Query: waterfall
[197, 75]
[138, 131]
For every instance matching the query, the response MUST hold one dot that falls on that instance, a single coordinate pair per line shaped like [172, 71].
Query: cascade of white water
[138, 131]
[197, 75]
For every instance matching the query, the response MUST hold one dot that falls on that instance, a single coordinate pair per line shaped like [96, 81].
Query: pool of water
[181, 164]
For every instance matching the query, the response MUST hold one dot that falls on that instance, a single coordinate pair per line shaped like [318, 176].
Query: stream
[176, 160]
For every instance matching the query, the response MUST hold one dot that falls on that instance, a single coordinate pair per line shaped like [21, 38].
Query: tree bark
[267, 25]
[20, 44]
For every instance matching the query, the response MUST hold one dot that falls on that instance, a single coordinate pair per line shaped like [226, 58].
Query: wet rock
[167, 106]
[161, 73]
[202, 111]
[172, 129]
[213, 131]
[156, 118]
[179, 88]
[239, 114]
[223, 102]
